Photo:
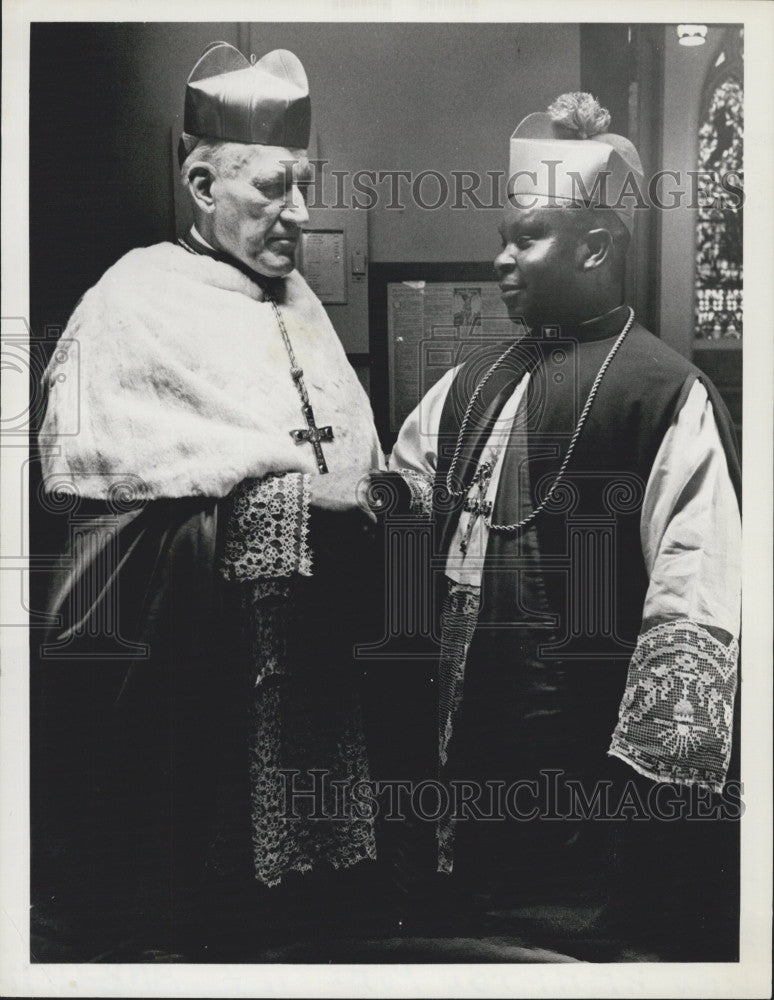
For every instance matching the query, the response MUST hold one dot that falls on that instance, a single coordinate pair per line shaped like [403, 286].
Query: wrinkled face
[537, 266]
[259, 208]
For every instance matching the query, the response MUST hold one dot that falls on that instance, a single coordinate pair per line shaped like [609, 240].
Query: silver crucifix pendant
[314, 435]
[477, 507]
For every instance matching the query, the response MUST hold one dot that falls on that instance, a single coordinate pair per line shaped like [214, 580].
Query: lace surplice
[306, 749]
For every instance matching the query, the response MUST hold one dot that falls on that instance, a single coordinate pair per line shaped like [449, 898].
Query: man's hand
[342, 491]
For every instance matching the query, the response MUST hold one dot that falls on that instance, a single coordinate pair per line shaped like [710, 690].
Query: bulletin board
[322, 259]
[424, 318]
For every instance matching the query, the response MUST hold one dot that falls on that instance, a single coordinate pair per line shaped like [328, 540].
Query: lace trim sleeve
[267, 532]
[675, 719]
[421, 489]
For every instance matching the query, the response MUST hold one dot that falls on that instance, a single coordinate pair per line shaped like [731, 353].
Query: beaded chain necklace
[479, 507]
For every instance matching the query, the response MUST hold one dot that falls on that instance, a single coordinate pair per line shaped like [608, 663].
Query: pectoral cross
[314, 435]
[477, 507]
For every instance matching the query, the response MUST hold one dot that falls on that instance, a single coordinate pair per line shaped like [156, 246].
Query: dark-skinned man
[582, 483]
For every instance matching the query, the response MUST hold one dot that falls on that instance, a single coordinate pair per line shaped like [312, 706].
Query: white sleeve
[690, 530]
[416, 449]
[676, 716]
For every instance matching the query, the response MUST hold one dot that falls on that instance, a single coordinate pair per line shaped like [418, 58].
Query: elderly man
[586, 521]
[221, 432]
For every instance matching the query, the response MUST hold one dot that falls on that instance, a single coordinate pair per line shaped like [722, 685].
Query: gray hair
[226, 157]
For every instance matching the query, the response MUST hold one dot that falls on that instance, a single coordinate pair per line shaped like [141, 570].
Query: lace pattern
[288, 795]
[265, 606]
[421, 488]
[267, 533]
[459, 620]
[675, 720]
[304, 716]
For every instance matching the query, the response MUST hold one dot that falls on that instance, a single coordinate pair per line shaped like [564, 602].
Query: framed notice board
[424, 318]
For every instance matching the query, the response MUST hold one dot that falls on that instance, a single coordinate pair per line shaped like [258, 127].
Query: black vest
[562, 599]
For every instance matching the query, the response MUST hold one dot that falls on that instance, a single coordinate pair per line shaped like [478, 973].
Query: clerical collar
[194, 242]
[609, 324]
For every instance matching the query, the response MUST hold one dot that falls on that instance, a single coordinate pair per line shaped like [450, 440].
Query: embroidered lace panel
[267, 533]
[286, 737]
[675, 720]
[304, 716]
[459, 620]
[421, 488]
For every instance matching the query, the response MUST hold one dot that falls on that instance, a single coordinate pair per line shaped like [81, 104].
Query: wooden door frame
[623, 67]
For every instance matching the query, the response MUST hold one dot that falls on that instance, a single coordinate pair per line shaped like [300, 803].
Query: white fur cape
[180, 383]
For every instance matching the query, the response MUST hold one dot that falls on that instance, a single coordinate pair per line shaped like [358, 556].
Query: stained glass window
[719, 220]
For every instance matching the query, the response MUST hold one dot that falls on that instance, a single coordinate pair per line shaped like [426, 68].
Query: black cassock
[143, 711]
[540, 697]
